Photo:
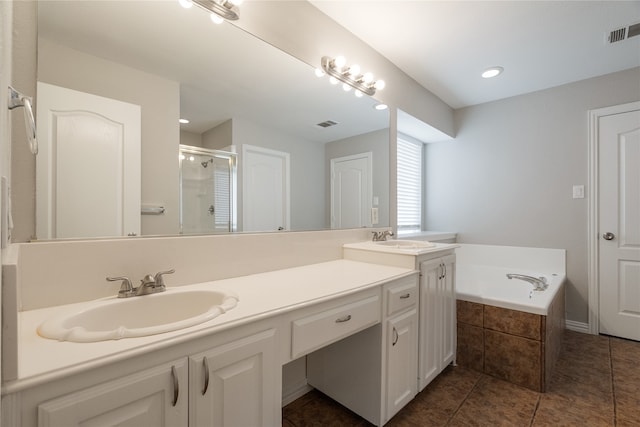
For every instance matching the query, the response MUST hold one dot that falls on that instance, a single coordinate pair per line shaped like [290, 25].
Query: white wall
[160, 102]
[378, 144]
[507, 177]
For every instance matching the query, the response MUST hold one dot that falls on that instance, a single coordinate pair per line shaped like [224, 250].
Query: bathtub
[481, 276]
[489, 285]
[504, 327]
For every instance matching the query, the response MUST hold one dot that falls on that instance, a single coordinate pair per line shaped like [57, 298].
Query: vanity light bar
[223, 8]
[362, 83]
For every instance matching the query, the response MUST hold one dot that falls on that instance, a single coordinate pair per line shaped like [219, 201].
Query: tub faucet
[539, 283]
[381, 236]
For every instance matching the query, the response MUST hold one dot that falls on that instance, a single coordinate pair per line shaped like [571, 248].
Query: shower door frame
[233, 176]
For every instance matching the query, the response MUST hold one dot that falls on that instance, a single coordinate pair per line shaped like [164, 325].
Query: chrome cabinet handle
[608, 236]
[176, 386]
[205, 366]
[396, 337]
[405, 296]
[343, 319]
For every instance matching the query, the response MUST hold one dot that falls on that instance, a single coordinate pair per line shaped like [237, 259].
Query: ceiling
[445, 45]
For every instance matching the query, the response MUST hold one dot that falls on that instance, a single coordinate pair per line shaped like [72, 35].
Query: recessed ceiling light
[183, 121]
[492, 72]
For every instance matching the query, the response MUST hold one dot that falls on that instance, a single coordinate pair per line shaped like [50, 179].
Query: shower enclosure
[207, 190]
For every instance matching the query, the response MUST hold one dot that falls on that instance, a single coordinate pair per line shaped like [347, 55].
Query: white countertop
[375, 247]
[260, 296]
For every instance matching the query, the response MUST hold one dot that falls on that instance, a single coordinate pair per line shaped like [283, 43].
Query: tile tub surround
[515, 346]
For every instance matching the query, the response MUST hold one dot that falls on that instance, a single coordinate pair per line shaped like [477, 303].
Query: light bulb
[346, 87]
[380, 106]
[359, 94]
[367, 77]
[182, 157]
[492, 72]
[380, 84]
[185, 3]
[319, 72]
[217, 19]
[235, 2]
[333, 80]
[354, 70]
[191, 158]
[183, 121]
[339, 62]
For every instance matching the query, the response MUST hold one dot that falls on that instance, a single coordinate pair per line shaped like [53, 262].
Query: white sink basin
[114, 318]
[406, 244]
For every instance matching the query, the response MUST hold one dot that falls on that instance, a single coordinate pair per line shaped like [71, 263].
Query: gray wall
[378, 143]
[507, 177]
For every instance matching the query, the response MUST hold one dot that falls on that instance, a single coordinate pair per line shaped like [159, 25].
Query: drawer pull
[396, 337]
[205, 366]
[176, 386]
[343, 319]
[405, 296]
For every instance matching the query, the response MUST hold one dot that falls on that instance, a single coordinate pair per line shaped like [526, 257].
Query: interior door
[265, 189]
[619, 224]
[83, 135]
[351, 191]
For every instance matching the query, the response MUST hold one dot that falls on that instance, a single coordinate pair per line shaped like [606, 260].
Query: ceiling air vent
[620, 34]
[327, 124]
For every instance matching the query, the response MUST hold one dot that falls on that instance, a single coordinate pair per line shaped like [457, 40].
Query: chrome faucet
[381, 236]
[539, 283]
[148, 285]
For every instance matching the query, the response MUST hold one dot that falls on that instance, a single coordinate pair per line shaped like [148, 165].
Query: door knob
[608, 236]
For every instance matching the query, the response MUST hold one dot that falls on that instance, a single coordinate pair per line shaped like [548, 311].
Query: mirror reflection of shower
[207, 190]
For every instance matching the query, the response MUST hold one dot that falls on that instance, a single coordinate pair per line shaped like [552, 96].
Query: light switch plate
[578, 191]
[374, 216]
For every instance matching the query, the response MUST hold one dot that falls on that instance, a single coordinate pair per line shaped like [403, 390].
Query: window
[409, 186]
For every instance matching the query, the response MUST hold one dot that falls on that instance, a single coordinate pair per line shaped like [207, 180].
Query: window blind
[409, 186]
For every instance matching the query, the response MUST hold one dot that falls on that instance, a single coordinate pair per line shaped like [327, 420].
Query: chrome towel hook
[16, 99]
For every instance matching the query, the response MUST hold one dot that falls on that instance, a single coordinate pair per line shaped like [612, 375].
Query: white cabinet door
[431, 327]
[437, 343]
[236, 384]
[402, 361]
[448, 303]
[154, 397]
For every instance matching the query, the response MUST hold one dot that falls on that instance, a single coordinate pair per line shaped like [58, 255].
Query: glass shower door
[207, 191]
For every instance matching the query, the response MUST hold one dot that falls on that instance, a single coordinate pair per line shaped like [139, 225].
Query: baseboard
[296, 392]
[572, 325]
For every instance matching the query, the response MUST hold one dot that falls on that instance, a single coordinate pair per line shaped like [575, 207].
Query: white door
[265, 189]
[88, 166]
[619, 227]
[351, 191]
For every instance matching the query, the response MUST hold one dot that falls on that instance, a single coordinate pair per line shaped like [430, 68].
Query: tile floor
[596, 383]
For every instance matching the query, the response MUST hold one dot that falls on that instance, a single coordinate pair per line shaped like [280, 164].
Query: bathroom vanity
[436, 263]
[228, 371]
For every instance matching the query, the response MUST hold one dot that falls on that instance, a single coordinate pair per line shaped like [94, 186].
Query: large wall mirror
[292, 132]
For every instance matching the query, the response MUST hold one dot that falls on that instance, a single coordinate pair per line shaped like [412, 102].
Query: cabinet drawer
[315, 331]
[402, 295]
